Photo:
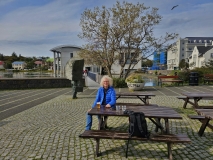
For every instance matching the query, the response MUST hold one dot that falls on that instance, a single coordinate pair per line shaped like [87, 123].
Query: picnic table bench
[175, 79]
[153, 112]
[207, 78]
[106, 134]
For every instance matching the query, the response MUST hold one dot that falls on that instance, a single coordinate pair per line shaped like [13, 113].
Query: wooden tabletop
[198, 94]
[208, 113]
[149, 111]
[134, 94]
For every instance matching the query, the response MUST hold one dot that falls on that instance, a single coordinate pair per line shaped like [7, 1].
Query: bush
[184, 75]
[201, 71]
[134, 78]
[119, 83]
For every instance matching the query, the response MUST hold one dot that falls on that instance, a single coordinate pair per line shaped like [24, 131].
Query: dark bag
[137, 125]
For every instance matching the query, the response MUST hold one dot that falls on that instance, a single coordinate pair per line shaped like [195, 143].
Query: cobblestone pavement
[50, 131]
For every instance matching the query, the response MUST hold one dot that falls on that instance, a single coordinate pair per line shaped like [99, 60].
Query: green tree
[183, 64]
[1, 57]
[114, 32]
[209, 64]
[30, 64]
[147, 63]
[7, 64]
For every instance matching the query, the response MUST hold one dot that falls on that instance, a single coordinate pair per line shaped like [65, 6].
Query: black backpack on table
[137, 125]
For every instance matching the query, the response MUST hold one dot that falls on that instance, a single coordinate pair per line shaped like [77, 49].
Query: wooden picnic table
[208, 113]
[196, 96]
[143, 96]
[153, 112]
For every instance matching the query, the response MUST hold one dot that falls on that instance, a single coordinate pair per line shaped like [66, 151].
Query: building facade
[200, 56]
[159, 60]
[19, 65]
[183, 48]
[62, 55]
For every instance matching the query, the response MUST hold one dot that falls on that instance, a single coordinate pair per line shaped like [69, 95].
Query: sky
[33, 27]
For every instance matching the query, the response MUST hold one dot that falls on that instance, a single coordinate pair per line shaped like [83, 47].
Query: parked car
[144, 69]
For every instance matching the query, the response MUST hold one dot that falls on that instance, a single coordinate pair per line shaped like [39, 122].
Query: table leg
[205, 123]
[158, 124]
[101, 121]
[196, 103]
[157, 120]
[142, 99]
[186, 101]
[169, 148]
[167, 125]
[147, 100]
[97, 146]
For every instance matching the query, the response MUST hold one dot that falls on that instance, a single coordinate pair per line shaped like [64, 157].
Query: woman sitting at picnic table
[106, 96]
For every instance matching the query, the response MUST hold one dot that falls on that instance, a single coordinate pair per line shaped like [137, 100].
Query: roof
[18, 62]
[38, 62]
[58, 48]
[202, 49]
[200, 39]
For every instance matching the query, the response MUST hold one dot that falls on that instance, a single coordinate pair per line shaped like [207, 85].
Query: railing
[92, 76]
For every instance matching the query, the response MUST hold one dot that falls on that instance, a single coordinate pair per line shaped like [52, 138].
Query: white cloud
[34, 30]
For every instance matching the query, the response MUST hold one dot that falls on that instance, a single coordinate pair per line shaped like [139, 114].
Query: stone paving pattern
[50, 131]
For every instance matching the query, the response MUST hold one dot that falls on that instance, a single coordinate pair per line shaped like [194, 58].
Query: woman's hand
[108, 106]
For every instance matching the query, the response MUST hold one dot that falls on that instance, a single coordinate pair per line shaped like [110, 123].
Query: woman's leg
[88, 122]
[105, 119]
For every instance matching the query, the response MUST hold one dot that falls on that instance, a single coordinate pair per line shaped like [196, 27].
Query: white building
[183, 48]
[200, 56]
[19, 65]
[63, 53]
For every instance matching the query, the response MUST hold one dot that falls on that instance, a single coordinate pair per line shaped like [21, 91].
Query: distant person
[106, 96]
[85, 72]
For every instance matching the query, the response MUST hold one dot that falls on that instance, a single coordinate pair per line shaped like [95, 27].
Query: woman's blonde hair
[108, 78]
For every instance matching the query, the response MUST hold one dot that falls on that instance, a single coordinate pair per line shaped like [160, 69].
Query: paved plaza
[50, 129]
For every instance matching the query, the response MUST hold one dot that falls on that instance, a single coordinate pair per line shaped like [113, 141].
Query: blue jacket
[110, 97]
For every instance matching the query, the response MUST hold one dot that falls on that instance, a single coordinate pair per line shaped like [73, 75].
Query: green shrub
[134, 78]
[201, 71]
[184, 75]
[119, 83]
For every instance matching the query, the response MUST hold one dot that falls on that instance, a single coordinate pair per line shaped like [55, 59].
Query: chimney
[205, 44]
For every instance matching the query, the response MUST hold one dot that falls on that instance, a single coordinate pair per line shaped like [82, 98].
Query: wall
[30, 83]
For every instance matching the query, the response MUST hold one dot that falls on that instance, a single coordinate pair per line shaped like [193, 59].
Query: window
[200, 41]
[205, 41]
[194, 41]
[190, 49]
[189, 41]
[182, 55]
[182, 49]
[71, 55]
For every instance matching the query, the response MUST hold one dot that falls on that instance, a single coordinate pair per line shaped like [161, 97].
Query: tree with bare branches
[123, 34]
